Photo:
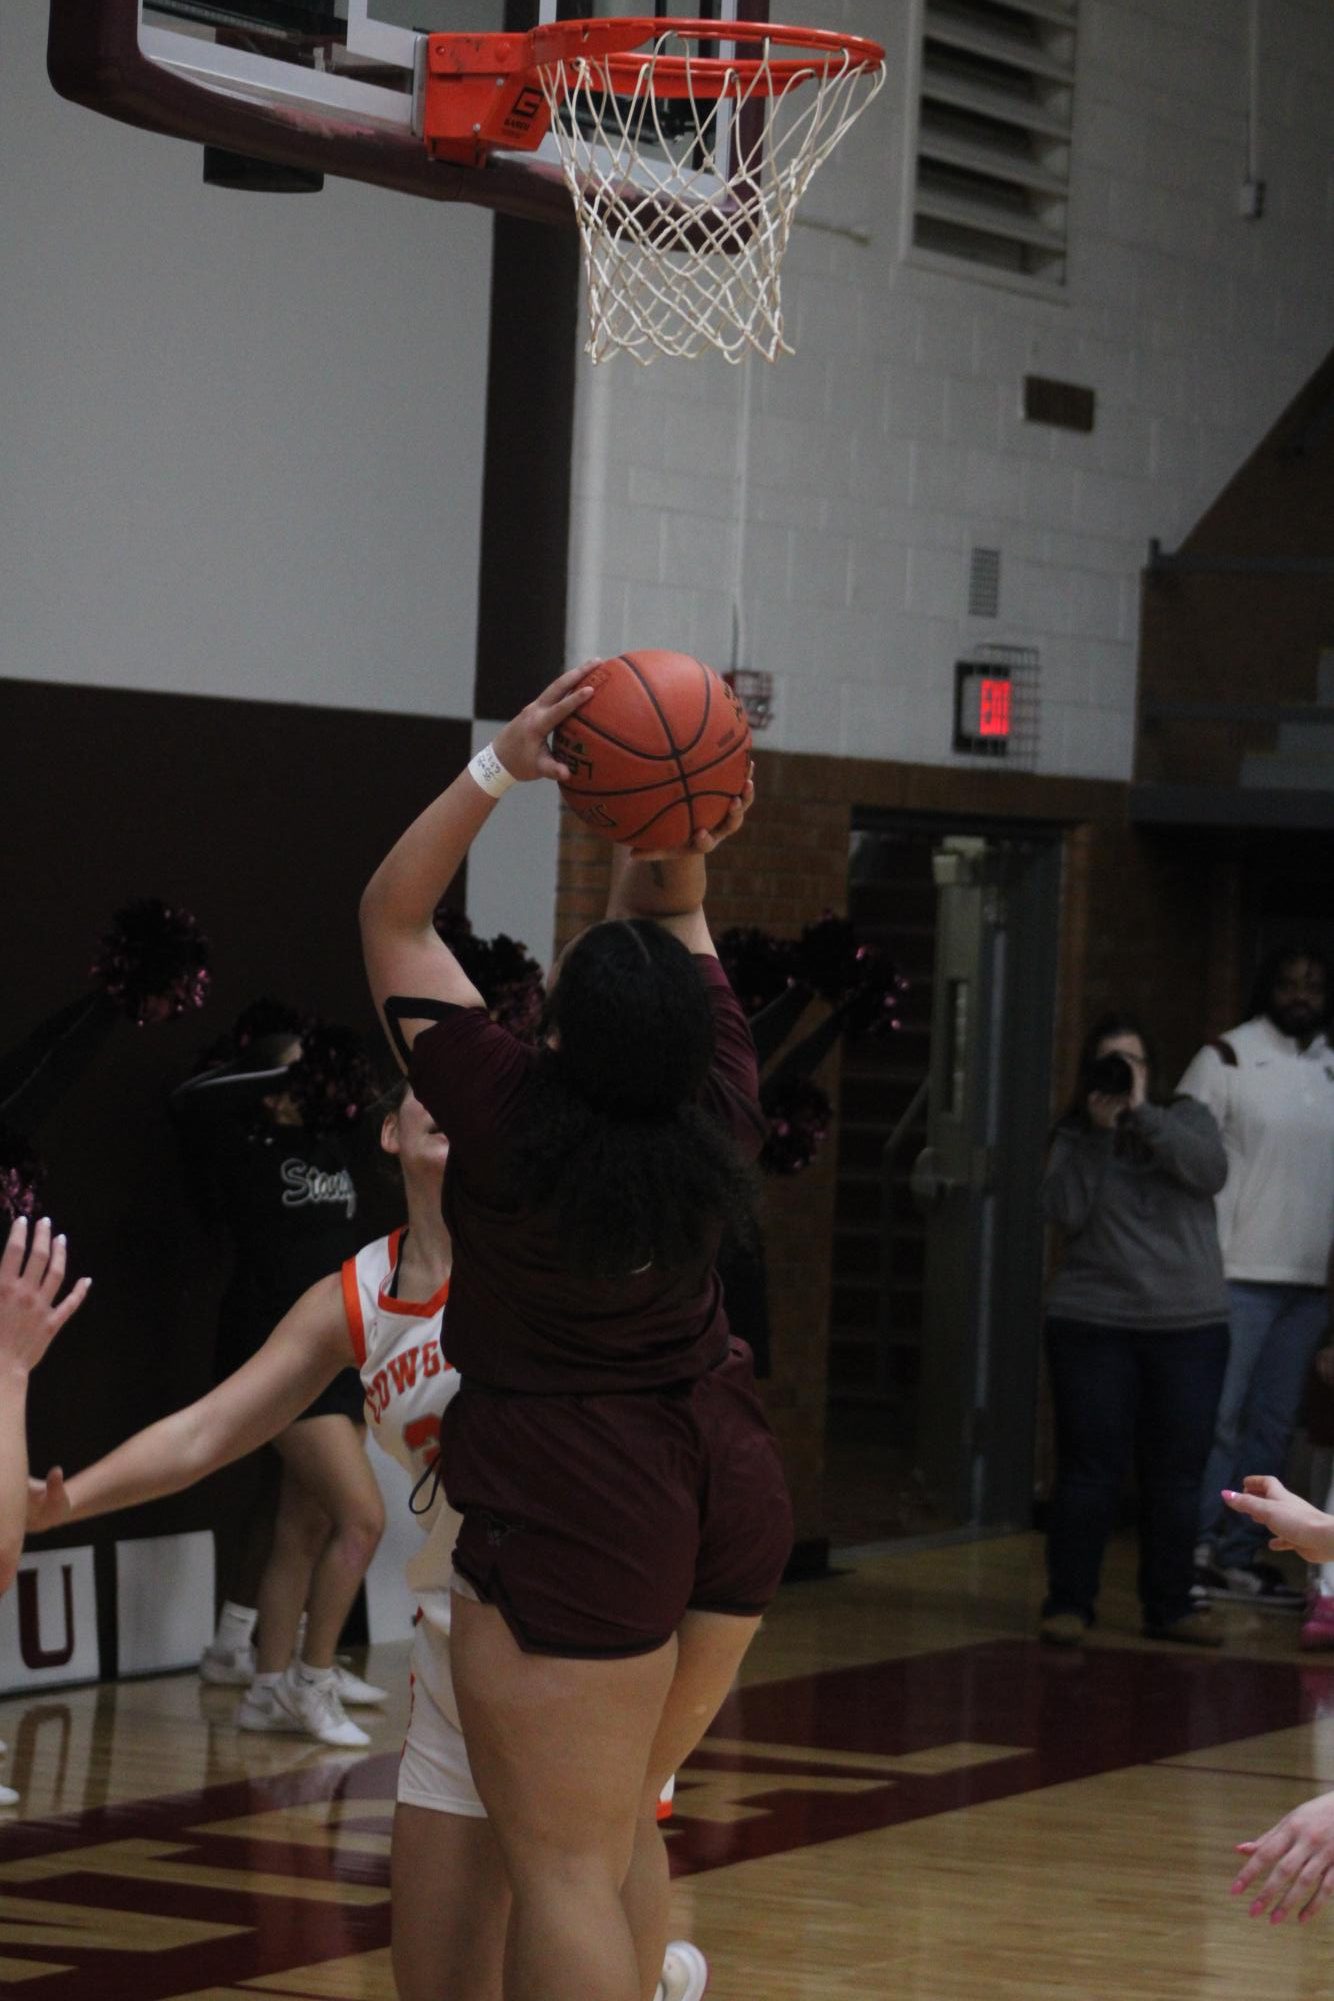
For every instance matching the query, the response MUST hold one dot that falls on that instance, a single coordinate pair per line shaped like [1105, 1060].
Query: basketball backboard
[332, 86]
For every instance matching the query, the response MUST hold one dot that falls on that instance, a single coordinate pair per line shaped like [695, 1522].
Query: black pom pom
[503, 971]
[860, 979]
[332, 1082]
[827, 956]
[22, 1175]
[872, 1007]
[758, 965]
[798, 1124]
[153, 962]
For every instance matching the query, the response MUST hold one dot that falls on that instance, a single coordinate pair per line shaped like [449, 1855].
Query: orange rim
[614, 45]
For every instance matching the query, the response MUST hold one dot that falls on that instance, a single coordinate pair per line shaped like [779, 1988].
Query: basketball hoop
[685, 166]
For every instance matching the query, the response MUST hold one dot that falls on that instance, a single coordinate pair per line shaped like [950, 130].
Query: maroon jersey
[517, 1320]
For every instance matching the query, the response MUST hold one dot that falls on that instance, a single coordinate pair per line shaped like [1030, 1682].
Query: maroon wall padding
[524, 580]
[265, 820]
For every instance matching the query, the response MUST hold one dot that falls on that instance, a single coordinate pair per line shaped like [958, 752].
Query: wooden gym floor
[908, 1797]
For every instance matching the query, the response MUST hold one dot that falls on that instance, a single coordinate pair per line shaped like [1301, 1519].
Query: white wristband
[487, 769]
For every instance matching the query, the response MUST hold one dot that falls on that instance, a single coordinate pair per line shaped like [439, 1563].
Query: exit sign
[983, 708]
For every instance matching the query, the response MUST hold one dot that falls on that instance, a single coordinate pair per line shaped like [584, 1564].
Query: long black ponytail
[636, 1172]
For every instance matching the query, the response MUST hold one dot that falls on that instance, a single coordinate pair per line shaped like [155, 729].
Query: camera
[1111, 1076]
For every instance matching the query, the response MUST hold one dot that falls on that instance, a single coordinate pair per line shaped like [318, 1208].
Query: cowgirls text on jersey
[399, 1377]
[397, 1343]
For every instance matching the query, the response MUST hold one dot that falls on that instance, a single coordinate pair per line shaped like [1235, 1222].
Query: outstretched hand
[1295, 1859]
[1292, 1523]
[522, 745]
[32, 1271]
[48, 1502]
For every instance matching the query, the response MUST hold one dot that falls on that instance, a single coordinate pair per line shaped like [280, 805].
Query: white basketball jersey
[408, 1382]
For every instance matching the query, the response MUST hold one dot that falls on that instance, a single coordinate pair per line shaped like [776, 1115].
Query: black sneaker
[1195, 1628]
[1263, 1585]
[1209, 1582]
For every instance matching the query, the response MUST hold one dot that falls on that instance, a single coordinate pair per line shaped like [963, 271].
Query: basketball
[658, 752]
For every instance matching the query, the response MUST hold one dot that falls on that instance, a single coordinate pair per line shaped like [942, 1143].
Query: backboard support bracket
[94, 58]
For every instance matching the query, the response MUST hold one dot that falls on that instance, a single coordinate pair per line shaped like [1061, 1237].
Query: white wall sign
[48, 1622]
[164, 1601]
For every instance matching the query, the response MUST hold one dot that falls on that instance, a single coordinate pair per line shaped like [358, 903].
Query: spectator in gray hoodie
[1136, 1332]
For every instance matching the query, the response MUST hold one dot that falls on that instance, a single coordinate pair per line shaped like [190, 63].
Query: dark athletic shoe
[1263, 1585]
[1063, 1629]
[1193, 1629]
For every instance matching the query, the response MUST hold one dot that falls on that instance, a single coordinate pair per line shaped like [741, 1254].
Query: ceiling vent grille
[984, 584]
[995, 115]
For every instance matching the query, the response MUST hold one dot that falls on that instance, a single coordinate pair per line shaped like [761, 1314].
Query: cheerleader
[287, 1197]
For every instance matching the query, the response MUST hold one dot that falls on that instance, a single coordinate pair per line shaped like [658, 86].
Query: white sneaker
[299, 1709]
[8, 1797]
[314, 1708]
[227, 1667]
[685, 1972]
[258, 1709]
[353, 1692]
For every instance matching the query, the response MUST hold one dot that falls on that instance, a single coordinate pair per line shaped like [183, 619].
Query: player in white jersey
[449, 1889]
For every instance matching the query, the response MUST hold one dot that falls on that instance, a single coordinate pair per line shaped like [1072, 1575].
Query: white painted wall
[240, 435]
[891, 443]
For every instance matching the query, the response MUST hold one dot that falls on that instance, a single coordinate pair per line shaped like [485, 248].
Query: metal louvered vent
[984, 583]
[994, 119]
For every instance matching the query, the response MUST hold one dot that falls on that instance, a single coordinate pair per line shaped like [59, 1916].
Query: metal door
[977, 1179]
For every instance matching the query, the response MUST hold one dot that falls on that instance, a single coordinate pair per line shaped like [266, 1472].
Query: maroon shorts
[593, 1523]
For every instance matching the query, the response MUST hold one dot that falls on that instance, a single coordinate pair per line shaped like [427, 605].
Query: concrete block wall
[824, 508]
[223, 471]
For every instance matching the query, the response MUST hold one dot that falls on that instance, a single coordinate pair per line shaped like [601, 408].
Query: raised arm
[670, 887]
[406, 960]
[304, 1353]
[1184, 1139]
[32, 1270]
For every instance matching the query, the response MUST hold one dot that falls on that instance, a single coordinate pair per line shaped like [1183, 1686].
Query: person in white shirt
[384, 1311]
[1270, 1085]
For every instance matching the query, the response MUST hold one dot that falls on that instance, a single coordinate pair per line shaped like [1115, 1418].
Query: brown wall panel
[263, 819]
[526, 484]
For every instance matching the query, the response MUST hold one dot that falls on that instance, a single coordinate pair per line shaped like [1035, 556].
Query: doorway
[938, 1238]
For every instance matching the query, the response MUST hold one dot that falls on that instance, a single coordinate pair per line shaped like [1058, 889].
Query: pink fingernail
[1258, 1908]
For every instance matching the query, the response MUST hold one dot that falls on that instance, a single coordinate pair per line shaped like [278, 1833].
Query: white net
[685, 202]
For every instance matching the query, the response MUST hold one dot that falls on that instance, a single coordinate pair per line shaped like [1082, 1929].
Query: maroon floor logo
[203, 1892]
